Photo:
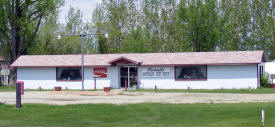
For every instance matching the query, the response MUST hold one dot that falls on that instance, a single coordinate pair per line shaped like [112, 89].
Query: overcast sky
[86, 7]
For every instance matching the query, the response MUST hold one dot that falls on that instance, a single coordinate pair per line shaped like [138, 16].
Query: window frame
[203, 79]
[56, 72]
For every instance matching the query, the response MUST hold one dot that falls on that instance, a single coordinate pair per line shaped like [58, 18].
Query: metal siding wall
[228, 77]
[218, 76]
[46, 78]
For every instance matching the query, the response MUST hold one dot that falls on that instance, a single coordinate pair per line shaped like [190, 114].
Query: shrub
[265, 82]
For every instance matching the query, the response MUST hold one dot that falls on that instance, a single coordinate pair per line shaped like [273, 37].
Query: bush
[2, 82]
[265, 82]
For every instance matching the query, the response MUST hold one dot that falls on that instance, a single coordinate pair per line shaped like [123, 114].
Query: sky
[86, 7]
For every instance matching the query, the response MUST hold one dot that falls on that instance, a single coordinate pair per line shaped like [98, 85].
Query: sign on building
[156, 72]
[100, 72]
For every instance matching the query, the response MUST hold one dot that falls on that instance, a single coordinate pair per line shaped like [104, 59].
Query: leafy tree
[47, 42]
[247, 25]
[200, 20]
[19, 23]
[141, 26]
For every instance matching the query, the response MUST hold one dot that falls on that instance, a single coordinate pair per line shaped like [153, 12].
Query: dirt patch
[120, 97]
[63, 99]
[84, 93]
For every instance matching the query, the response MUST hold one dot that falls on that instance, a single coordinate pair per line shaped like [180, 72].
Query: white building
[269, 67]
[197, 70]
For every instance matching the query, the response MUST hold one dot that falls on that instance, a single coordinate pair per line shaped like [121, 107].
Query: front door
[128, 77]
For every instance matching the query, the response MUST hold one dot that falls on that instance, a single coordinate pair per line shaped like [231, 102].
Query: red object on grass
[125, 85]
[107, 89]
[272, 86]
[21, 86]
[57, 88]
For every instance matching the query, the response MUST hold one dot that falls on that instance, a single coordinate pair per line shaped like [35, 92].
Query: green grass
[138, 115]
[252, 91]
[7, 88]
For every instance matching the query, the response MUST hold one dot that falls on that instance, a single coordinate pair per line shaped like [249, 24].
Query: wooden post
[125, 84]
[18, 95]
[262, 117]
[94, 83]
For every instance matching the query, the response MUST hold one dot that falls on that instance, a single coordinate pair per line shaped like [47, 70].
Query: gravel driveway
[118, 97]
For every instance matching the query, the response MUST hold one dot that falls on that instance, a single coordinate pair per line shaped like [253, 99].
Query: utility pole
[82, 51]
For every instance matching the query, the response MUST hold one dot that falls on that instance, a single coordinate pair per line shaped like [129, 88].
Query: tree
[200, 19]
[47, 42]
[20, 21]
[99, 26]
[247, 25]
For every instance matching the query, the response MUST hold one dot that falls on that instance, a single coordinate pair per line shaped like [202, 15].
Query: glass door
[128, 76]
[123, 77]
[133, 77]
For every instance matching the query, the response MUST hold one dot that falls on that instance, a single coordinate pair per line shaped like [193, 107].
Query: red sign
[100, 72]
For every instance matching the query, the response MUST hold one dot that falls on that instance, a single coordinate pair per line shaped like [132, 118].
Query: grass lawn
[252, 91]
[138, 115]
[7, 88]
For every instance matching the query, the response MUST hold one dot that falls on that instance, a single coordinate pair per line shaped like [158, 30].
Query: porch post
[128, 77]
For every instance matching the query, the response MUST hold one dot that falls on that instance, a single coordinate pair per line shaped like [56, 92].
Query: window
[191, 73]
[70, 74]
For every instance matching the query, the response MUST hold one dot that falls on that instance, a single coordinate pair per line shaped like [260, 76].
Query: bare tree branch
[36, 30]
[41, 15]
[6, 35]
[37, 27]
[33, 13]
[27, 3]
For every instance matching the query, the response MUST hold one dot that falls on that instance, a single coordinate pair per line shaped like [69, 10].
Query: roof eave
[211, 64]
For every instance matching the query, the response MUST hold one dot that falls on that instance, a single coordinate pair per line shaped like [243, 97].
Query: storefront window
[70, 74]
[191, 73]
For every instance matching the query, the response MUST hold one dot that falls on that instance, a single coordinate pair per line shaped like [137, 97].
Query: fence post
[94, 84]
[125, 85]
[18, 95]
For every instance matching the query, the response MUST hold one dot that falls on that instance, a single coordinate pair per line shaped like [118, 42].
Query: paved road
[118, 97]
